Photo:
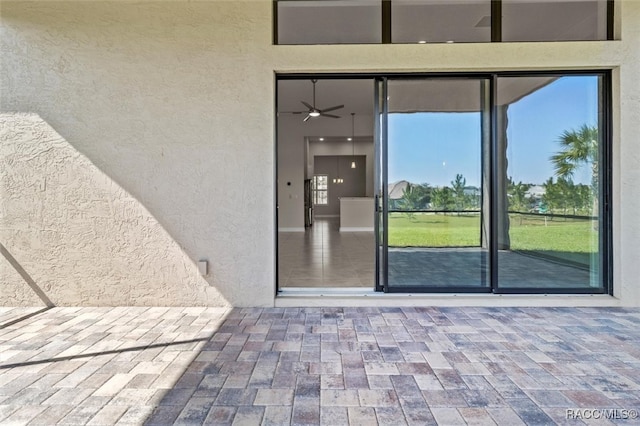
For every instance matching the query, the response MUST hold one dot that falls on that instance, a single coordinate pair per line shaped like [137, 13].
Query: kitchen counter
[356, 214]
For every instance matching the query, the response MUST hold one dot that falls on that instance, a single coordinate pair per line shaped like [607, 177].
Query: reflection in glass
[436, 142]
[329, 22]
[558, 20]
[549, 182]
[437, 21]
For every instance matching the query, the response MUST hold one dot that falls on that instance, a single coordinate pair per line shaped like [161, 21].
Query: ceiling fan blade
[322, 114]
[291, 112]
[307, 118]
[333, 108]
[307, 105]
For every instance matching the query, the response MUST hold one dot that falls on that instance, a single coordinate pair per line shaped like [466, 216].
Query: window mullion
[496, 20]
[386, 21]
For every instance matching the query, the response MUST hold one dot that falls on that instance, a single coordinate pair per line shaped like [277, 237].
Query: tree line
[560, 196]
[457, 197]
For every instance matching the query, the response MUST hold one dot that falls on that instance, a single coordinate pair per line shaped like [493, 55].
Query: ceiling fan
[312, 111]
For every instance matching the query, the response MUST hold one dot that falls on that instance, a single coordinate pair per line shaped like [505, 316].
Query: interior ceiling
[356, 95]
[405, 95]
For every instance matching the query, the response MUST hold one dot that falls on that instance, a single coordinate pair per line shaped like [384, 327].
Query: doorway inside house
[489, 182]
[325, 156]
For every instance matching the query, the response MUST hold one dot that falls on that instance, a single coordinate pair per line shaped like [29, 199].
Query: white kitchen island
[356, 214]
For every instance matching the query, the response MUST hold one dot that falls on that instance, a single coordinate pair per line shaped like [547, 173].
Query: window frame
[386, 24]
[316, 191]
[606, 162]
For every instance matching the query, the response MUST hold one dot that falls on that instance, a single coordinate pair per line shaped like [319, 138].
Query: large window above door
[440, 21]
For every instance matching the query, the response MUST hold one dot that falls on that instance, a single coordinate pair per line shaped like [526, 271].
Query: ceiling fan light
[314, 114]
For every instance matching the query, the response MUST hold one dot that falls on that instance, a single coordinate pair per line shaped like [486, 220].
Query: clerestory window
[440, 21]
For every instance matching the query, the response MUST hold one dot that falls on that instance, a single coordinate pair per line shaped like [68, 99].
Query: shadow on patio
[333, 366]
[395, 366]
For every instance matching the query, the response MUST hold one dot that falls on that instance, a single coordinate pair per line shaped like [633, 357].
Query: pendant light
[353, 141]
[337, 179]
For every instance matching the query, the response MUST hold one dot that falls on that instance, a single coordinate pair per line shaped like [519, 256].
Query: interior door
[434, 159]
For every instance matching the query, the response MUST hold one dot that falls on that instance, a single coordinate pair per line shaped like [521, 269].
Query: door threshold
[364, 297]
[326, 291]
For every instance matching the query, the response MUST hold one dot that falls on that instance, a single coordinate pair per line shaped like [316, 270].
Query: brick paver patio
[331, 366]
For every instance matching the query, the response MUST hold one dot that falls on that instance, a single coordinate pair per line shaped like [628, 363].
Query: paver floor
[330, 366]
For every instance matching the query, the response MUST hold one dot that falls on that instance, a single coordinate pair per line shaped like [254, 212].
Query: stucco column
[485, 123]
[502, 207]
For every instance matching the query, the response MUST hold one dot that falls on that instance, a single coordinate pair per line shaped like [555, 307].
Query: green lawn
[433, 230]
[565, 238]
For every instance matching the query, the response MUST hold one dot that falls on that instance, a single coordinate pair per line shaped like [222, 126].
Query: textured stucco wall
[626, 159]
[130, 151]
[159, 118]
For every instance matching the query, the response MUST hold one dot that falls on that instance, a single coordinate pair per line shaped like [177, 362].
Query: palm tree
[578, 147]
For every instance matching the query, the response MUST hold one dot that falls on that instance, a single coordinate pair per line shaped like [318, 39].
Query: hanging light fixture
[353, 141]
[338, 179]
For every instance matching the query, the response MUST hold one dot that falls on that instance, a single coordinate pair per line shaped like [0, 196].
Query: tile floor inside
[310, 366]
[322, 256]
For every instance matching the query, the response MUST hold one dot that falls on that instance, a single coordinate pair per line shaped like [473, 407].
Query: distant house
[395, 191]
[536, 192]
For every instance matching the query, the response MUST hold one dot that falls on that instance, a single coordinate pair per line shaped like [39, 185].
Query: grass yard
[564, 239]
[569, 239]
[433, 230]
[566, 235]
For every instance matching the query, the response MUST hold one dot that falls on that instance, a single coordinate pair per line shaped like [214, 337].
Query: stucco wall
[626, 159]
[136, 140]
[159, 118]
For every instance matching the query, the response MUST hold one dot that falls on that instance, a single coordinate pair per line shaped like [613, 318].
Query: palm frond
[579, 146]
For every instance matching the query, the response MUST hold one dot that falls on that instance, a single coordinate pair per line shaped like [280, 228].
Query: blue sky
[433, 147]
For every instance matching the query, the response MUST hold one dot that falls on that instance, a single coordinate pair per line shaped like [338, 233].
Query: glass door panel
[549, 216]
[438, 141]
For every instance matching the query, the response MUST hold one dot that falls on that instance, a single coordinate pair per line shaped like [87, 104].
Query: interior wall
[354, 181]
[293, 134]
[363, 146]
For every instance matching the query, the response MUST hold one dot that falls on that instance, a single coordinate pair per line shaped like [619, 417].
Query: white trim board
[333, 297]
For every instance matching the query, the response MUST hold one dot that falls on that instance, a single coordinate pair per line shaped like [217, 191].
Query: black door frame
[380, 177]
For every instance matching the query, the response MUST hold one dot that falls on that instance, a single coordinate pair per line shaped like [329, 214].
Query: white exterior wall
[138, 138]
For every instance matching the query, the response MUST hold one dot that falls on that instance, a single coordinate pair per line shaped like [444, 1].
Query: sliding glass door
[437, 167]
[551, 180]
[493, 183]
